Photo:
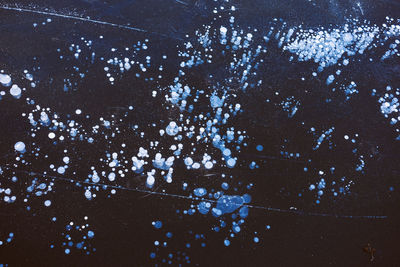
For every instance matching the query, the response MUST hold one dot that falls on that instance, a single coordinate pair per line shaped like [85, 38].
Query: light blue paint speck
[90, 234]
[227, 242]
[200, 192]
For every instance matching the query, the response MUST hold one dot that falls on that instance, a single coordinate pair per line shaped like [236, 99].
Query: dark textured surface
[124, 235]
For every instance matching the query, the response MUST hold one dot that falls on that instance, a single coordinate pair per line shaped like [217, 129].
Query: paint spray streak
[295, 212]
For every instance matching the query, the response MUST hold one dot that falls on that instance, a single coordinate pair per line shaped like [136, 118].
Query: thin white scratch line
[72, 17]
[181, 2]
[47, 13]
[295, 212]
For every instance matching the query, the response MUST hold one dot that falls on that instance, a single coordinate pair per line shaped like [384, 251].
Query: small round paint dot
[15, 91]
[78, 112]
[19, 146]
[209, 165]
[66, 160]
[47, 203]
[61, 170]
[231, 162]
[157, 224]
[52, 135]
[90, 234]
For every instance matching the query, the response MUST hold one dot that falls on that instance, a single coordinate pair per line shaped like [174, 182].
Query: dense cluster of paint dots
[390, 105]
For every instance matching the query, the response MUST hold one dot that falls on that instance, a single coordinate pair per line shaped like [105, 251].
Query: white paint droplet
[5, 79]
[19, 146]
[15, 91]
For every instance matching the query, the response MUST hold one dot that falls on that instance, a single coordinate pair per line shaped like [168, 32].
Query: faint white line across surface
[295, 212]
[54, 14]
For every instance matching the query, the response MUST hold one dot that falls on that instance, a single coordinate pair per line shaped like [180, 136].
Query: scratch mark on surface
[54, 14]
[359, 5]
[181, 2]
[163, 194]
